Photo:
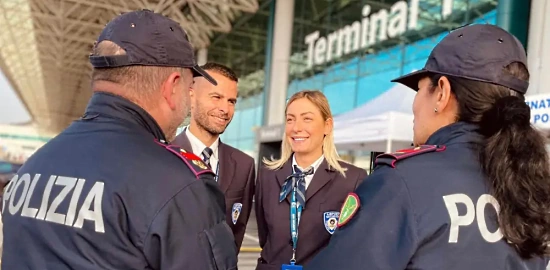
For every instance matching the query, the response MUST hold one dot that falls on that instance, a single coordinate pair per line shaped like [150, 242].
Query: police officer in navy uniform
[109, 192]
[475, 191]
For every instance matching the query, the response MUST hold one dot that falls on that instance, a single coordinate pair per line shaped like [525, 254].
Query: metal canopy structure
[44, 45]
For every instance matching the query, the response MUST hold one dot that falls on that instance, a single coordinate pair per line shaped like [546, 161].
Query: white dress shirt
[198, 146]
[315, 166]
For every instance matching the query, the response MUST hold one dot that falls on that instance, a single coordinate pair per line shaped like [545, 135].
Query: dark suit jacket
[237, 181]
[326, 192]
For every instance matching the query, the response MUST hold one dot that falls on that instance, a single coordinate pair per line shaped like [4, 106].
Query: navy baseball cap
[477, 52]
[149, 39]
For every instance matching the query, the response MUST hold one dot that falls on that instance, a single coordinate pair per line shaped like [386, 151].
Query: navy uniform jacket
[324, 197]
[236, 177]
[106, 194]
[425, 209]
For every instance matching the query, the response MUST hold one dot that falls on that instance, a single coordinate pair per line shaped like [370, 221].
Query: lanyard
[217, 170]
[295, 214]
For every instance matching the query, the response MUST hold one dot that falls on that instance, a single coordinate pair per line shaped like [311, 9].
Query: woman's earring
[435, 110]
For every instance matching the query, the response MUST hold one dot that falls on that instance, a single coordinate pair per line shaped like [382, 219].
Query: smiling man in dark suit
[212, 108]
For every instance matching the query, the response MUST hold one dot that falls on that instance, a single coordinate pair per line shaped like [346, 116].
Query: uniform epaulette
[391, 158]
[194, 162]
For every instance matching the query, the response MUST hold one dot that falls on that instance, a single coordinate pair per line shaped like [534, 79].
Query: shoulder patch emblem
[236, 212]
[391, 158]
[195, 163]
[349, 208]
[200, 164]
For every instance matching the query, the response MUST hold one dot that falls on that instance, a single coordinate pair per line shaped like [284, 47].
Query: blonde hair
[329, 149]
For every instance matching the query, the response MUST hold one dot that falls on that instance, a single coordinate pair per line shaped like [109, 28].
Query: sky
[12, 110]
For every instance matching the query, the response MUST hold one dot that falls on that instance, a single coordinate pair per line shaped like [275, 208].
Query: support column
[280, 58]
[513, 15]
[202, 56]
[267, 64]
[538, 58]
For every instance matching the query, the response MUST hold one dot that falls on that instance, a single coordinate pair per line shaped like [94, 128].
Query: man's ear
[192, 93]
[169, 88]
[443, 93]
[192, 96]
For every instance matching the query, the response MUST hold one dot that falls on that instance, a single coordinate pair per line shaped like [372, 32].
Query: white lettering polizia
[70, 189]
[473, 212]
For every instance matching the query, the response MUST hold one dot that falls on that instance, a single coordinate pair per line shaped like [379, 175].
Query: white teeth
[299, 139]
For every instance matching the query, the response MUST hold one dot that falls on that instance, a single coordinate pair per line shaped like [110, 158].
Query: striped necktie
[298, 179]
[206, 154]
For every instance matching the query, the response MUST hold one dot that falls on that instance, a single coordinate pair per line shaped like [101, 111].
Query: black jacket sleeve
[190, 231]
[247, 205]
[381, 235]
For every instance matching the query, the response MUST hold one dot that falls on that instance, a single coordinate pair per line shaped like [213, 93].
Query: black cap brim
[199, 72]
[411, 80]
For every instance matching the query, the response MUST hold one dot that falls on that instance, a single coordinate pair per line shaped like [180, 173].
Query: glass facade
[248, 117]
[351, 50]
[349, 80]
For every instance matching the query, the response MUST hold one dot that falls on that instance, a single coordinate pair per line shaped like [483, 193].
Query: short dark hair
[221, 69]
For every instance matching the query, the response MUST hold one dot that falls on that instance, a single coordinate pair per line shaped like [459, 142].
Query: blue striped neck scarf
[296, 179]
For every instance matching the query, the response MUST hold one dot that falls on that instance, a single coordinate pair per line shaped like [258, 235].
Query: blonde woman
[304, 189]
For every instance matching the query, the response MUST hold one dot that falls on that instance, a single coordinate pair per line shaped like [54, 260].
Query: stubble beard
[203, 122]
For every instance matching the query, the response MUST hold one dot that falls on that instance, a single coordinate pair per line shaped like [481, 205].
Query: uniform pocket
[268, 267]
[330, 206]
[262, 265]
[235, 194]
[218, 244]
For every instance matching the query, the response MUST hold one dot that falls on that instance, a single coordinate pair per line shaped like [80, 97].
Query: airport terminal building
[350, 50]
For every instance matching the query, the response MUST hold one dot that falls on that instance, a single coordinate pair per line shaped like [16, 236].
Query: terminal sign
[372, 28]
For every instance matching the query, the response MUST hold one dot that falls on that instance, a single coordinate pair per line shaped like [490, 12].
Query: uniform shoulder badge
[236, 212]
[391, 158]
[349, 208]
[330, 219]
[192, 161]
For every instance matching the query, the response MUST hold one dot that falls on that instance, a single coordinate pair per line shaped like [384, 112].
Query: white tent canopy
[399, 98]
[383, 124]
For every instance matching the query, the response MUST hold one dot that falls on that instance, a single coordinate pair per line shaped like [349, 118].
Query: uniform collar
[315, 164]
[197, 144]
[459, 132]
[110, 105]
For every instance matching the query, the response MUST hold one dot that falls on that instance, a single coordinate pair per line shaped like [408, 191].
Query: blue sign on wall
[540, 109]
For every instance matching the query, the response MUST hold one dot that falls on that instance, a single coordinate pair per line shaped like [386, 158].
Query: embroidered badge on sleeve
[195, 163]
[349, 208]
